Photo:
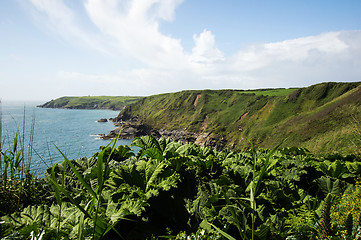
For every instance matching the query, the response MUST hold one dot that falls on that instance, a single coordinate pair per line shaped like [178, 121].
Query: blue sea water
[73, 131]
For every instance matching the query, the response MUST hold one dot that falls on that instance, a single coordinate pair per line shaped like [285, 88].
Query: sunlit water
[74, 132]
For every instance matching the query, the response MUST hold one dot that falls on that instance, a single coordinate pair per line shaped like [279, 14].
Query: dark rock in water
[130, 130]
[103, 120]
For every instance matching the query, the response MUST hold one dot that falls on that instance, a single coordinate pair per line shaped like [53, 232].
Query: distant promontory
[91, 102]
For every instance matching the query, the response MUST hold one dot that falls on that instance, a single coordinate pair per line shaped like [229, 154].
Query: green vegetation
[320, 117]
[18, 186]
[273, 91]
[92, 102]
[174, 190]
[171, 190]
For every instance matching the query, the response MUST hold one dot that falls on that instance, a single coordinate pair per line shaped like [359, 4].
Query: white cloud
[59, 18]
[204, 50]
[133, 25]
[295, 50]
[264, 67]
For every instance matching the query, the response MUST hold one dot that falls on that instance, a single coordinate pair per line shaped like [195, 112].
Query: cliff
[322, 117]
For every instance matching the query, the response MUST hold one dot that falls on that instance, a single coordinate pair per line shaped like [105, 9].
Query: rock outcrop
[129, 130]
[134, 128]
[103, 120]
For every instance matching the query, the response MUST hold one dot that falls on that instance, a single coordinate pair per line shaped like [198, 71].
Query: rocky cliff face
[129, 130]
[132, 128]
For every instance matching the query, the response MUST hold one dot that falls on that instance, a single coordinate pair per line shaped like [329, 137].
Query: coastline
[133, 128]
[81, 108]
[115, 103]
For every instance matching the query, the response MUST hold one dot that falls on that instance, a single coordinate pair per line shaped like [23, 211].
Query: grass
[264, 116]
[265, 185]
[92, 210]
[273, 92]
[20, 190]
[92, 102]
[222, 107]
[19, 187]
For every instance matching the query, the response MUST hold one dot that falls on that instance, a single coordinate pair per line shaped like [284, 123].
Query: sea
[45, 132]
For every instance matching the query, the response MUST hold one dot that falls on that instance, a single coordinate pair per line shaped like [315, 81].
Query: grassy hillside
[91, 102]
[319, 117]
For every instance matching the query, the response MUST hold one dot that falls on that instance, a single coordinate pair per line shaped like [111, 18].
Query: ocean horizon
[43, 130]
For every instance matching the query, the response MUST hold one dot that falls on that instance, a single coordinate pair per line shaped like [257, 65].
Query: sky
[54, 48]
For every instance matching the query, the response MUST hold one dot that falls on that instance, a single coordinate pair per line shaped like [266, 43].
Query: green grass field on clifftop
[320, 117]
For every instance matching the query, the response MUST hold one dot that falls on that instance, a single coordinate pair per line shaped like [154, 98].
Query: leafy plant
[12, 159]
[325, 222]
[91, 209]
[346, 211]
[18, 186]
[181, 191]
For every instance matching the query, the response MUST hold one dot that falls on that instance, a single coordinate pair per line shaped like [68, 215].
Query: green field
[273, 92]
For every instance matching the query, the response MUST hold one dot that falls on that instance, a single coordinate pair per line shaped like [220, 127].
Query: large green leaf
[146, 142]
[153, 153]
[46, 217]
[189, 149]
[122, 153]
[333, 169]
[331, 186]
[354, 167]
[150, 176]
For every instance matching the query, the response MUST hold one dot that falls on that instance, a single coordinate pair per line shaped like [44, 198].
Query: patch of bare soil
[197, 99]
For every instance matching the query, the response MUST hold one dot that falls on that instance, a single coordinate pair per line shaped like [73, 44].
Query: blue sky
[54, 48]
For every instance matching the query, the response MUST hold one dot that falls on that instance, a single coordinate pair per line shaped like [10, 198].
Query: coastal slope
[322, 117]
[91, 102]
